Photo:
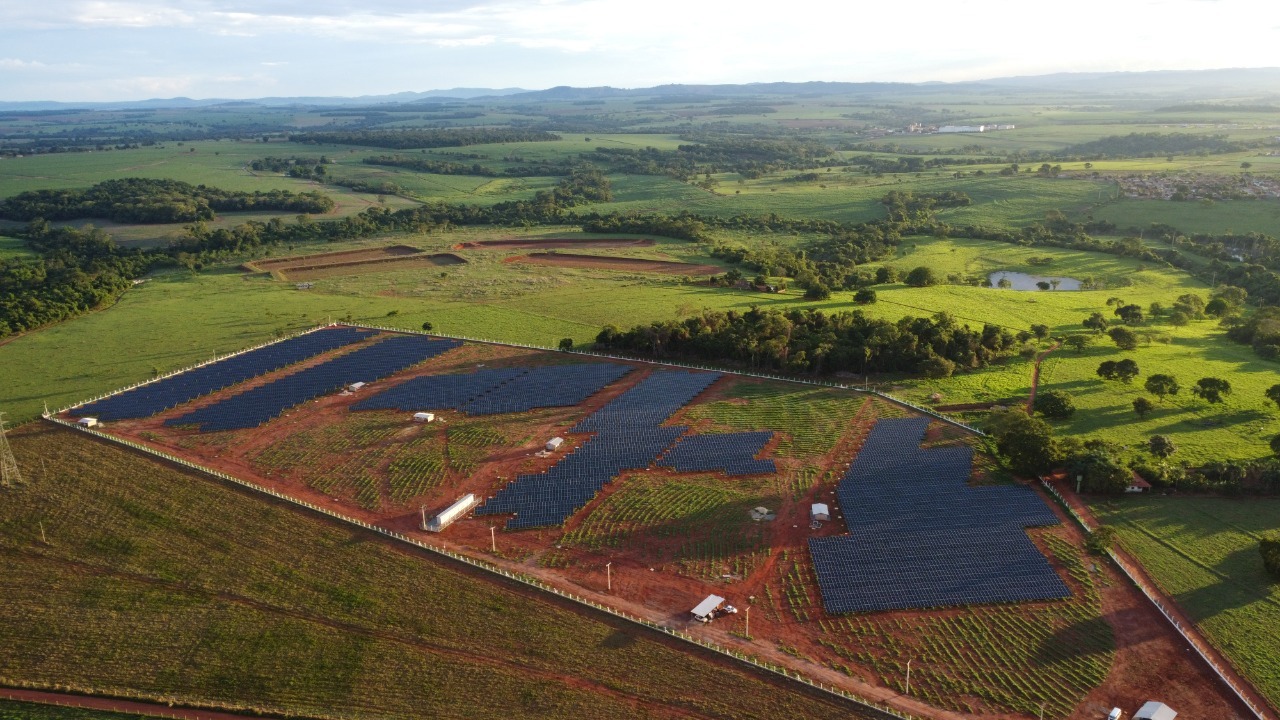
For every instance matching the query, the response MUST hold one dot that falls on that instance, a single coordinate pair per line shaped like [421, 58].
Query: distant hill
[1186, 84]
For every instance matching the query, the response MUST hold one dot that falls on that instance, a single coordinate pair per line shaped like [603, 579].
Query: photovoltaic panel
[156, 397]
[265, 402]
[921, 537]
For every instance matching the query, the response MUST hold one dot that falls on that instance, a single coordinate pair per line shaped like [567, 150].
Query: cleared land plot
[672, 538]
[345, 256]
[601, 262]
[531, 244]
[1204, 553]
[316, 272]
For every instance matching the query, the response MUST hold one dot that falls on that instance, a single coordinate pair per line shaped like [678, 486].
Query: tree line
[143, 200]
[407, 138]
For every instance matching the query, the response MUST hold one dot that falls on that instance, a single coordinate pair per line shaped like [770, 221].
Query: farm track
[108, 704]
[1035, 375]
[1130, 563]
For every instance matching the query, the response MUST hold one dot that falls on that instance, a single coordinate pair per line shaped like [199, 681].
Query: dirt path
[1035, 374]
[134, 707]
[1191, 630]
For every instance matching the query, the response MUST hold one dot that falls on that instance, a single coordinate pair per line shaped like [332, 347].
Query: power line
[9, 475]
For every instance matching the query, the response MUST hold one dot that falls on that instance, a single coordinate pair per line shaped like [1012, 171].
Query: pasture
[1204, 553]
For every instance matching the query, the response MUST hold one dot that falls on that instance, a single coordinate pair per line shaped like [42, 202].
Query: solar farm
[668, 484]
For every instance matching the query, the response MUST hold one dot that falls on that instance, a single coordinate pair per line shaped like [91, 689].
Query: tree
[1130, 314]
[1102, 471]
[1101, 540]
[1178, 318]
[427, 327]
[817, 291]
[886, 274]
[1124, 338]
[1040, 331]
[1043, 285]
[1275, 445]
[1191, 304]
[1161, 445]
[566, 343]
[1155, 309]
[1096, 322]
[865, 296]
[1246, 165]
[1273, 394]
[1025, 442]
[1161, 385]
[1212, 390]
[937, 367]
[1004, 283]
[1218, 308]
[1123, 370]
[1078, 341]
[1143, 406]
[1054, 404]
[1269, 546]
[921, 277]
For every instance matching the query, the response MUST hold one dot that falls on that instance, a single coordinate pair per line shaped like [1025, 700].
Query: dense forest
[749, 157]
[423, 137]
[141, 200]
[810, 341]
[446, 167]
[1152, 145]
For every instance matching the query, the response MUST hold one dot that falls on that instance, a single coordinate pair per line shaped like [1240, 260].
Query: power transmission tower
[9, 475]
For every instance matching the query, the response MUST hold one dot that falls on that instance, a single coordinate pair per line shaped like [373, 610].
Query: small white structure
[819, 512]
[355, 386]
[1137, 484]
[304, 286]
[1155, 711]
[459, 508]
[87, 422]
[554, 444]
[962, 129]
[424, 417]
[705, 611]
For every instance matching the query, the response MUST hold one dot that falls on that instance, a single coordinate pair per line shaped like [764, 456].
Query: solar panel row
[495, 391]
[920, 536]
[733, 453]
[156, 397]
[628, 436]
[265, 402]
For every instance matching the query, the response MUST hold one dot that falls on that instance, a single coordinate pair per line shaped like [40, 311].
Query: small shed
[87, 422]
[1137, 484]
[459, 508]
[704, 610]
[424, 417]
[355, 386]
[1155, 711]
[819, 512]
[554, 444]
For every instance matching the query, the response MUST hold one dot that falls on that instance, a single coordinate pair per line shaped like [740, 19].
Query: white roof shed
[424, 417]
[87, 421]
[819, 511]
[708, 606]
[1155, 711]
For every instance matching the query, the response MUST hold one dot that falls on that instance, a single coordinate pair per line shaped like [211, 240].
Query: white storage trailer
[87, 422]
[819, 512]
[554, 444]
[458, 509]
[1155, 711]
[424, 417]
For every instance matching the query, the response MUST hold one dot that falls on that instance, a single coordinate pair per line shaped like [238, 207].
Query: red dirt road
[1035, 374]
[615, 263]
[532, 244]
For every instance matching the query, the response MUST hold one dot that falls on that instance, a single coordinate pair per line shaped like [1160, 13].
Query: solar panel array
[147, 400]
[264, 403]
[733, 453]
[921, 537]
[496, 391]
[628, 436]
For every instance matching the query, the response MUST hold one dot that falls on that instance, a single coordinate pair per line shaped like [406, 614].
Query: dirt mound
[533, 244]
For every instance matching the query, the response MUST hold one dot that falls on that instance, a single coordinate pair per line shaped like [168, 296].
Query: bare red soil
[269, 264]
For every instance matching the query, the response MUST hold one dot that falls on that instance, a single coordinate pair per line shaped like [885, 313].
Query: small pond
[1023, 281]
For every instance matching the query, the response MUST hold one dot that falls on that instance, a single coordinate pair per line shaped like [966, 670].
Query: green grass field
[156, 584]
[13, 248]
[1220, 216]
[1204, 553]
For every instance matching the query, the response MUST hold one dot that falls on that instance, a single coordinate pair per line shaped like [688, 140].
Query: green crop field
[1218, 216]
[1204, 553]
[156, 584]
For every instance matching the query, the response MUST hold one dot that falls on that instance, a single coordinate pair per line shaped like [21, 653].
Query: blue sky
[83, 50]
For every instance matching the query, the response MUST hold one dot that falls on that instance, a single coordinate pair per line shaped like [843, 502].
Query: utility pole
[747, 611]
[908, 692]
[424, 517]
[493, 537]
[9, 475]
[608, 568]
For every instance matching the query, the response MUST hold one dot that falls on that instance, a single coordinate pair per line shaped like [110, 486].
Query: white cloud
[17, 64]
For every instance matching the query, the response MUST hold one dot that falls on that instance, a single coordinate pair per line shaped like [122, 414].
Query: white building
[819, 512]
[87, 422]
[355, 386]
[424, 417]
[554, 444]
[962, 129]
[449, 515]
[1155, 711]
